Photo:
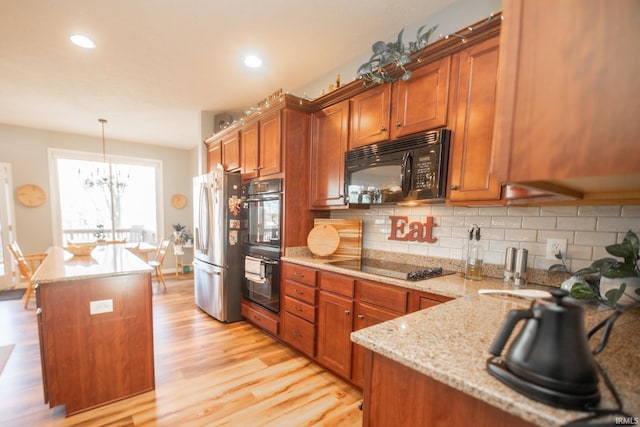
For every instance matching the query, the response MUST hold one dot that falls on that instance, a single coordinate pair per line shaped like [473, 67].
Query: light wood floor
[207, 374]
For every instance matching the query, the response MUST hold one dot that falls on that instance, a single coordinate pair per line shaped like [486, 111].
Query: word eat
[417, 232]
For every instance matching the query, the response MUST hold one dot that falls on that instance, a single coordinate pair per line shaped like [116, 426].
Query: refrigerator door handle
[203, 219]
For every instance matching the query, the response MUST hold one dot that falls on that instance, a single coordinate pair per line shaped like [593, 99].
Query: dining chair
[159, 261]
[27, 264]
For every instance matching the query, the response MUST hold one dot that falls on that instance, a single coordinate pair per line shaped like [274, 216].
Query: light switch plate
[101, 306]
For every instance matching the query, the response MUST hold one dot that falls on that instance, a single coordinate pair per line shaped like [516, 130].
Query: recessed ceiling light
[82, 41]
[252, 61]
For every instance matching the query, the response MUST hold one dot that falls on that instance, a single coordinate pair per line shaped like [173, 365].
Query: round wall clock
[178, 201]
[31, 195]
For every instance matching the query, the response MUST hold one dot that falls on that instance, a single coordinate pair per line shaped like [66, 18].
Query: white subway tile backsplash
[600, 211]
[506, 222]
[521, 235]
[588, 229]
[594, 238]
[539, 222]
[576, 223]
[559, 211]
[631, 210]
[523, 211]
[619, 224]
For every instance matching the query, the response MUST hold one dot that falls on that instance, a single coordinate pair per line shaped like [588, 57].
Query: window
[91, 206]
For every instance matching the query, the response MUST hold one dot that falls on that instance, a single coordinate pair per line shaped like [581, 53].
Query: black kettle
[550, 359]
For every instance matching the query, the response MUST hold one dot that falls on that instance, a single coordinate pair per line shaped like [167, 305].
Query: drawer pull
[298, 291]
[295, 307]
[297, 333]
[39, 311]
[347, 312]
[298, 274]
[398, 124]
[383, 128]
[361, 316]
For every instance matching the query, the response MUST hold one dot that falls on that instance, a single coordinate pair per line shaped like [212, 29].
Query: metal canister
[520, 271]
[509, 264]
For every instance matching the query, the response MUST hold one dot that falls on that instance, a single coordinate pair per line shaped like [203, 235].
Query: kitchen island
[95, 327]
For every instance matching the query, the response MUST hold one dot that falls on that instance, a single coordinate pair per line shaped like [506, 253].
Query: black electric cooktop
[394, 270]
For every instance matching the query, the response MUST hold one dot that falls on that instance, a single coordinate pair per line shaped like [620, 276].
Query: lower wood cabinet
[260, 317]
[335, 320]
[299, 333]
[396, 395]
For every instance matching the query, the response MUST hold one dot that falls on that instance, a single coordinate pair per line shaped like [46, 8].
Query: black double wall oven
[260, 242]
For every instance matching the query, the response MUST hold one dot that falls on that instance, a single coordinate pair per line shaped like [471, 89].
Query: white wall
[26, 150]
[588, 229]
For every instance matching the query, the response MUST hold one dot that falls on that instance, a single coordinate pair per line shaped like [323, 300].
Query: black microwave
[404, 171]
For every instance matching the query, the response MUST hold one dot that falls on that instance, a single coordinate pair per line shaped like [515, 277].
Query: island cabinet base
[395, 395]
[96, 340]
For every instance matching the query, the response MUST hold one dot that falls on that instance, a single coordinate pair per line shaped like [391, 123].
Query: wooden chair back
[25, 270]
[162, 250]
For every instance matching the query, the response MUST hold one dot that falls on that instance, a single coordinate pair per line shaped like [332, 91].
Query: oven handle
[261, 199]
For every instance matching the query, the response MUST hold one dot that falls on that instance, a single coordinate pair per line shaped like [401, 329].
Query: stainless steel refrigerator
[217, 260]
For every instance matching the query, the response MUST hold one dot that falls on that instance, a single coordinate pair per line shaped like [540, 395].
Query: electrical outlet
[556, 246]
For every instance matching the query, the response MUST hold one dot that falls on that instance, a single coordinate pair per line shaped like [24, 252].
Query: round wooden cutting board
[323, 240]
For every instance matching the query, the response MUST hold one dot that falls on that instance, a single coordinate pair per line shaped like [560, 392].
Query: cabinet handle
[398, 124]
[298, 274]
[347, 312]
[297, 333]
[454, 187]
[299, 292]
[39, 311]
[295, 307]
[383, 128]
[361, 316]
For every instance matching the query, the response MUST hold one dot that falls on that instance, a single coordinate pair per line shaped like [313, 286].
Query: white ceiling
[159, 63]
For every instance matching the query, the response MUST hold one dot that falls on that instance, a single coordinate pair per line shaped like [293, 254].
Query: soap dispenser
[473, 268]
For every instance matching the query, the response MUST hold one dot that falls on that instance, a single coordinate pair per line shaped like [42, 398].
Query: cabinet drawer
[299, 273]
[422, 300]
[260, 319]
[385, 296]
[300, 292]
[299, 333]
[337, 283]
[299, 308]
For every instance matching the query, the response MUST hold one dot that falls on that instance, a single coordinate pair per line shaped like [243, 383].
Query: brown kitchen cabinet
[419, 300]
[249, 151]
[335, 322]
[471, 121]
[329, 139]
[375, 303]
[420, 103]
[396, 395]
[260, 317]
[214, 154]
[299, 312]
[370, 115]
[231, 151]
[568, 99]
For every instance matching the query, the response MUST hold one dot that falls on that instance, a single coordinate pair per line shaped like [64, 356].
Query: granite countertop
[104, 261]
[450, 343]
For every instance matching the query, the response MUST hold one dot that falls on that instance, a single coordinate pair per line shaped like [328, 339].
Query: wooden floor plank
[207, 374]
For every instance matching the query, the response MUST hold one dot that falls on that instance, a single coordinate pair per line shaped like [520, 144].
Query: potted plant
[609, 280]
[179, 231]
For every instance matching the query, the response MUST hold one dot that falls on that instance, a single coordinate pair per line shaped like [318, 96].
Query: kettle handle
[512, 319]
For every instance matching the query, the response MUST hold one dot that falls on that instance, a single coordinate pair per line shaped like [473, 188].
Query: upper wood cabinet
[420, 103]
[231, 151]
[214, 154]
[329, 138]
[249, 150]
[473, 86]
[569, 97]
[370, 114]
[270, 144]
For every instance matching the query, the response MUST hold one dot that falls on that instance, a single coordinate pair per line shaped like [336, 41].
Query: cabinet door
[231, 152]
[569, 100]
[214, 155]
[249, 151]
[270, 144]
[473, 115]
[330, 129]
[365, 316]
[420, 103]
[370, 114]
[335, 314]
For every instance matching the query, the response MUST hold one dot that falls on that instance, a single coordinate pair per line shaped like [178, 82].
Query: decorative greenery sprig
[384, 54]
